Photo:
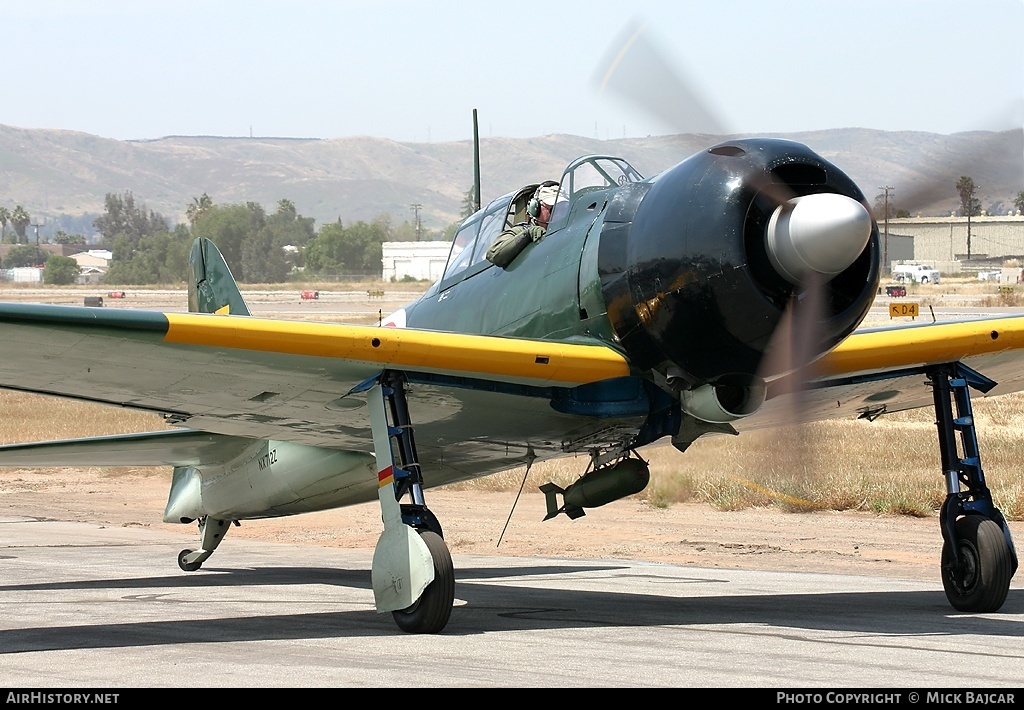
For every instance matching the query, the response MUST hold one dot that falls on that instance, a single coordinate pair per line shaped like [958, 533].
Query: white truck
[915, 273]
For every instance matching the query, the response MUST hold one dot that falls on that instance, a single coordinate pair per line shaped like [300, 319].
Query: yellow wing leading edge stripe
[562, 363]
[921, 345]
[484, 356]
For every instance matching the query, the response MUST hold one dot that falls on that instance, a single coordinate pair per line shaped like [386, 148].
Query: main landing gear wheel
[187, 566]
[982, 580]
[431, 611]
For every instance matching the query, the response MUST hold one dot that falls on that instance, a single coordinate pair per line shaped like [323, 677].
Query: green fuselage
[550, 291]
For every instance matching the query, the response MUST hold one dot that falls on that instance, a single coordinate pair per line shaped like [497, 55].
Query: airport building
[422, 261]
[942, 241]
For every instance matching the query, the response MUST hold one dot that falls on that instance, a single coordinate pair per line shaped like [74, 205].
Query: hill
[56, 172]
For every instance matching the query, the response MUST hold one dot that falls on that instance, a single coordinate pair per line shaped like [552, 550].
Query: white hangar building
[423, 261]
[943, 240]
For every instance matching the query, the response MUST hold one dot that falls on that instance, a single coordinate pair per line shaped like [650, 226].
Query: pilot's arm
[511, 242]
[536, 232]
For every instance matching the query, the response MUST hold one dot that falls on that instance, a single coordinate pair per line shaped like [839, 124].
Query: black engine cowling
[690, 288]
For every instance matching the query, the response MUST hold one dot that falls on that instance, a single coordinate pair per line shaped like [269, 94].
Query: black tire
[187, 566]
[431, 612]
[985, 566]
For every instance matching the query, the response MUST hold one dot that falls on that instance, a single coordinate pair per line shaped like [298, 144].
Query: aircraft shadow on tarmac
[274, 576]
[498, 607]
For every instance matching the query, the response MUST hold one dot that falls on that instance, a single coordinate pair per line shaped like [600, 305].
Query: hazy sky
[413, 71]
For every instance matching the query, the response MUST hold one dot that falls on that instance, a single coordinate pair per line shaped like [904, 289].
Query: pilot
[513, 240]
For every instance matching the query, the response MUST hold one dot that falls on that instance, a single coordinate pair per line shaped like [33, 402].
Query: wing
[158, 448]
[65, 343]
[881, 370]
[302, 383]
[252, 378]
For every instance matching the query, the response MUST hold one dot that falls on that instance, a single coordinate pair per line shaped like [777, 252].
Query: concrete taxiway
[86, 606]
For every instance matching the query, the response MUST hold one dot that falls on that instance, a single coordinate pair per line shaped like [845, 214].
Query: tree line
[260, 246]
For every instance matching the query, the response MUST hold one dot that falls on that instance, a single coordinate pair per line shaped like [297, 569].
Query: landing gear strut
[211, 532]
[978, 557]
[413, 576]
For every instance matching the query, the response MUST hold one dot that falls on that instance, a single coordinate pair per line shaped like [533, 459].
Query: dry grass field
[889, 466]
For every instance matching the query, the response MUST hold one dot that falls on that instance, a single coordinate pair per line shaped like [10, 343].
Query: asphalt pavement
[86, 606]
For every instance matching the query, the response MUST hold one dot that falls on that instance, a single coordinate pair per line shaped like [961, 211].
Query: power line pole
[885, 239]
[416, 211]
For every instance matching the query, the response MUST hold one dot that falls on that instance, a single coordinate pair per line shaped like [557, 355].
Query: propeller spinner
[821, 233]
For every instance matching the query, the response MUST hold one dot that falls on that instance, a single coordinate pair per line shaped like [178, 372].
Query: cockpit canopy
[478, 232]
[586, 174]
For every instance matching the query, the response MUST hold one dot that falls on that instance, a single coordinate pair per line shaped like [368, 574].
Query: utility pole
[36, 227]
[885, 238]
[416, 211]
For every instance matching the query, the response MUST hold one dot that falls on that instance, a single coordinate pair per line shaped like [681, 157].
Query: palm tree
[286, 207]
[199, 207]
[20, 219]
[5, 217]
[969, 205]
[1018, 201]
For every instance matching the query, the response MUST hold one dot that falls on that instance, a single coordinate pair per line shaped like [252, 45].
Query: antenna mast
[476, 164]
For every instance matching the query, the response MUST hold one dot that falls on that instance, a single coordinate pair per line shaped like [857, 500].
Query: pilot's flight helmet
[545, 193]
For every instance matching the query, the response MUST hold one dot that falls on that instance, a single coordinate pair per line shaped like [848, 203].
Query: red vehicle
[310, 295]
[116, 294]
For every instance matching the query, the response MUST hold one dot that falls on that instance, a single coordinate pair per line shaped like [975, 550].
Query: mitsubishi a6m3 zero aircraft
[705, 300]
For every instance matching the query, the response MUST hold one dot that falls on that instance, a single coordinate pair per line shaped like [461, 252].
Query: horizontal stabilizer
[157, 448]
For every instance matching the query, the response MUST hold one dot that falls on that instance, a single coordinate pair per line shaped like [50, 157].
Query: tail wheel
[431, 611]
[187, 566]
[981, 581]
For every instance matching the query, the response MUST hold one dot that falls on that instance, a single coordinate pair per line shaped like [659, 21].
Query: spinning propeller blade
[810, 238]
[634, 69]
